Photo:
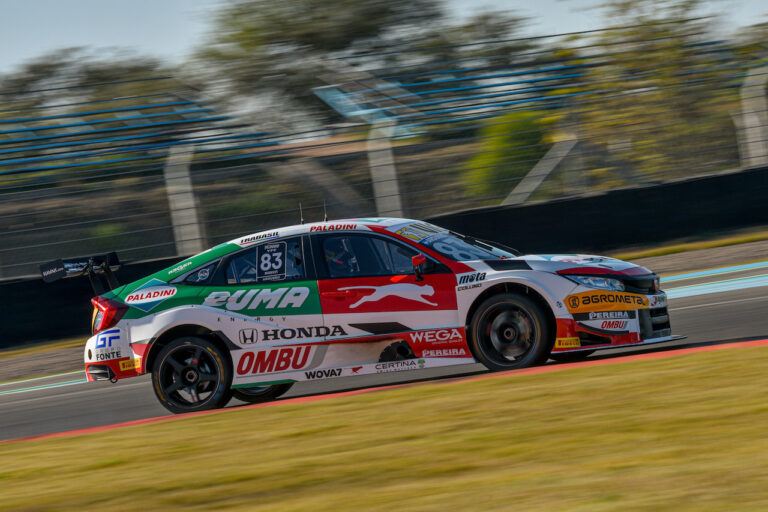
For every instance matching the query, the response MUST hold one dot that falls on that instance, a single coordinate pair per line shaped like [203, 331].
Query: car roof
[359, 224]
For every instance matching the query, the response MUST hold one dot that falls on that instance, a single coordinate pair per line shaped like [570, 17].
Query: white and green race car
[252, 316]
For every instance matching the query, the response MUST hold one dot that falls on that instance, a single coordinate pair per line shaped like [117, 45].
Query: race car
[255, 315]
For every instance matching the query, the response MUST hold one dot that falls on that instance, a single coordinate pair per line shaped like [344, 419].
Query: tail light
[106, 313]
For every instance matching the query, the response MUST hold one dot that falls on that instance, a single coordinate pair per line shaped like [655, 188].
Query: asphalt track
[711, 309]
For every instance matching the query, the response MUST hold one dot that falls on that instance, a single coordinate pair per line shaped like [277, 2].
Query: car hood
[587, 264]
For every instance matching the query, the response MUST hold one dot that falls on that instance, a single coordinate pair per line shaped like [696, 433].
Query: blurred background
[415, 108]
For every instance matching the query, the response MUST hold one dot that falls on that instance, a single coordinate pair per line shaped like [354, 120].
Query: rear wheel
[510, 331]
[190, 374]
[259, 394]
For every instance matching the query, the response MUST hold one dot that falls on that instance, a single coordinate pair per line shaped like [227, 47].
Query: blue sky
[170, 28]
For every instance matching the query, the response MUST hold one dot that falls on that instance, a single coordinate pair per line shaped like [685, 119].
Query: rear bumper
[112, 370]
[109, 356]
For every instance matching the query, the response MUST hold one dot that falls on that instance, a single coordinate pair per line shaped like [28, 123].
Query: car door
[369, 290]
[267, 298]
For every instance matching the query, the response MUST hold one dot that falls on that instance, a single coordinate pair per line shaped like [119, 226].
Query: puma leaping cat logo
[408, 291]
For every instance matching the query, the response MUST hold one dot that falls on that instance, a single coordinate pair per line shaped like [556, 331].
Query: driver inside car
[340, 259]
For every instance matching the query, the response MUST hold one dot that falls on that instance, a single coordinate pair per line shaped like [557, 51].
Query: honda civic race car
[252, 316]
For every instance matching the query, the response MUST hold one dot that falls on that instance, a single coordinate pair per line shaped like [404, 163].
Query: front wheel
[190, 374]
[510, 331]
[259, 394]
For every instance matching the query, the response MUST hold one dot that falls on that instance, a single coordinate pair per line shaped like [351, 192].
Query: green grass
[47, 346]
[692, 246]
[684, 433]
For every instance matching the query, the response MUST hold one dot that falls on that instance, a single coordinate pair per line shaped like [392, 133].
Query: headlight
[604, 283]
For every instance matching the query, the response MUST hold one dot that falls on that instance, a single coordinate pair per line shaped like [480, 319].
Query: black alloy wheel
[190, 374]
[259, 394]
[510, 331]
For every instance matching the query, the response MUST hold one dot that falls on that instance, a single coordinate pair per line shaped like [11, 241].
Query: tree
[277, 50]
[660, 95]
[275, 53]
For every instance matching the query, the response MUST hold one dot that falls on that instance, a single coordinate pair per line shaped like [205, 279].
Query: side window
[201, 276]
[361, 255]
[398, 257]
[282, 260]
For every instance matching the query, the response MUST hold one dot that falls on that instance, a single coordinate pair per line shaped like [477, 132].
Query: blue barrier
[96, 112]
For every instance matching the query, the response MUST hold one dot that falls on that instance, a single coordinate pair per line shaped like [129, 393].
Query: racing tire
[259, 394]
[570, 357]
[510, 331]
[191, 374]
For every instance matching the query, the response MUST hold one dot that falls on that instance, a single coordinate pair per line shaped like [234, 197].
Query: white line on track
[72, 393]
[714, 271]
[764, 297]
[23, 381]
[739, 279]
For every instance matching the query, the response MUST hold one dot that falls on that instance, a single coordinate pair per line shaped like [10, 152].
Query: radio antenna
[301, 214]
[325, 212]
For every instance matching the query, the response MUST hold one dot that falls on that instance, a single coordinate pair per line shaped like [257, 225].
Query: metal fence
[159, 174]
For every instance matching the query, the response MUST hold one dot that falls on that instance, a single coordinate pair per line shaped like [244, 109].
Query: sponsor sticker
[417, 231]
[105, 339]
[323, 374]
[581, 259]
[438, 335]
[407, 291]
[567, 342]
[248, 240]
[274, 360]
[444, 352]
[614, 324]
[398, 366]
[150, 294]
[468, 287]
[605, 315]
[252, 336]
[248, 336]
[179, 268]
[658, 301]
[471, 278]
[333, 227]
[266, 300]
[131, 364]
[605, 301]
[106, 354]
[271, 261]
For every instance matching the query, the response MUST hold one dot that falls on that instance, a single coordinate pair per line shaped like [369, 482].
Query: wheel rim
[189, 377]
[508, 333]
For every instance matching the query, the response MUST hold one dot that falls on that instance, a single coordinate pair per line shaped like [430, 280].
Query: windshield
[465, 248]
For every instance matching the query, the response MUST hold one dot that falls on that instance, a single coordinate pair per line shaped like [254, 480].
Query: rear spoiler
[92, 266]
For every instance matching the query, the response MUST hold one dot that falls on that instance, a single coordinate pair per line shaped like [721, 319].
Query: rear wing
[92, 266]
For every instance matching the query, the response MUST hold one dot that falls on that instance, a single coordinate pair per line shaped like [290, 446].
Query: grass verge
[692, 246]
[42, 347]
[684, 433]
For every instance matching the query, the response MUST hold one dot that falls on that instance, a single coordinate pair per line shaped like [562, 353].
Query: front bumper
[601, 320]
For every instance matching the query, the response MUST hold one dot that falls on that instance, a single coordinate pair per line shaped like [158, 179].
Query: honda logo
[248, 336]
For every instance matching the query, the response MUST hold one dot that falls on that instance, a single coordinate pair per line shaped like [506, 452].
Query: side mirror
[417, 261]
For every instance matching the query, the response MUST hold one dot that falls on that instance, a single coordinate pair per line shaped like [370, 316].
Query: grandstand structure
[161, 172]
[65, 162]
